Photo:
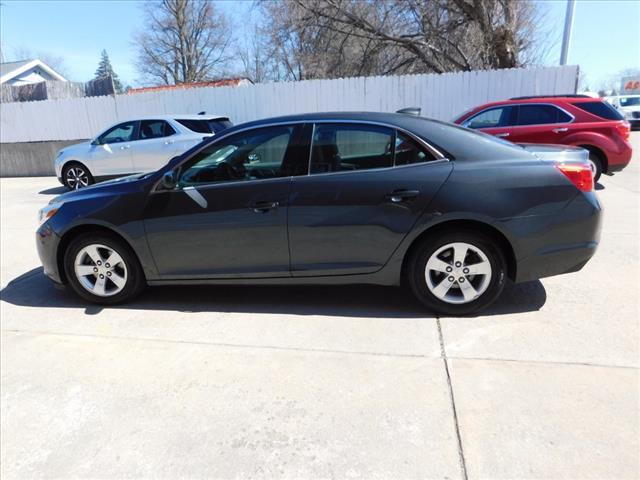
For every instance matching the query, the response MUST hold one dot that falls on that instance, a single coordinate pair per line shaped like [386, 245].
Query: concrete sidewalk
[322, 382]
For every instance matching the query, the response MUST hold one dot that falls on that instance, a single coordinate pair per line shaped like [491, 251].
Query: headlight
[49, 211]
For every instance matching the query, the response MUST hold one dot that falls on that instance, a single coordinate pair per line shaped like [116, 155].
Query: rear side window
[600, 109]
[408, 151]
[541, 115]
[205, 126]
[155, 129]
[343, 147]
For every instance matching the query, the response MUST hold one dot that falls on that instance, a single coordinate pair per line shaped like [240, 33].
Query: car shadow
[599, 186]
[54, 190]
[33, 289]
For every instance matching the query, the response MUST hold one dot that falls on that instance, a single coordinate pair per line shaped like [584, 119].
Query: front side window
[254, 155]
[541, 115]
[118, 134]
[343, 147]
[155, 129]
[494, 117]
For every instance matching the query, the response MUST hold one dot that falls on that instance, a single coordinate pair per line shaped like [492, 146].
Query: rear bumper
[559, 260]
[618, 160]
[564, 243]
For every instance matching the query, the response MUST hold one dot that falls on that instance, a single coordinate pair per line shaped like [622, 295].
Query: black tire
[417, 263]
[595, 159]
[82, 172]
[135, 279]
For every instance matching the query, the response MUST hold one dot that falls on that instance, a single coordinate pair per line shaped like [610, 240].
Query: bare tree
[333, 37]
[183, 41]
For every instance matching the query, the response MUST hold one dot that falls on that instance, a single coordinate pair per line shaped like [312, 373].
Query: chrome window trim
[573, 118]
[440, 157]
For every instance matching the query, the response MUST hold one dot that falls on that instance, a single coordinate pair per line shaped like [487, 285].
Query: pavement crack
[443, 353]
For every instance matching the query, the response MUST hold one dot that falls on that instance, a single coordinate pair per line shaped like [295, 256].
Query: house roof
[222, 82]
[11, 70]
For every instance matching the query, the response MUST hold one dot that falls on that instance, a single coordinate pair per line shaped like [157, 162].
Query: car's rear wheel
[103, 269]
[457, 273]
[596, 166]
[76, 176]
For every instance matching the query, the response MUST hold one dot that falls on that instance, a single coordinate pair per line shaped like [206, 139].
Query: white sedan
[134, 146]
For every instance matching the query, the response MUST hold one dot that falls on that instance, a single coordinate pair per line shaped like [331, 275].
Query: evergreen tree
[105, 70]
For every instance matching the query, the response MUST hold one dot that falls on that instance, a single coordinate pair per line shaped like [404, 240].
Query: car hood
[556, 153]
[76, 147]
[110, 187]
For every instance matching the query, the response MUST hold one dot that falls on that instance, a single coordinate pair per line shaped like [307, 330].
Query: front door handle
[399, 196]
[502, 135]
[560, 130]
[264, 207]
[125, 147]
[168, 142]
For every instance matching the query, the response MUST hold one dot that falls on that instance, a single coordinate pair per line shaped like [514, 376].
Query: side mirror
[169, 180]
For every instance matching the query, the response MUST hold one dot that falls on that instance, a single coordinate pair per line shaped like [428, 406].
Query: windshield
[629, 101]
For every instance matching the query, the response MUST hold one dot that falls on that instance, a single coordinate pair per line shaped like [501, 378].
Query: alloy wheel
[77, 178]
[458, 273]
[100, 270]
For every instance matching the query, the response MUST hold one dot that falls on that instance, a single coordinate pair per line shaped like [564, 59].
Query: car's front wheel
[103, 269]
[457, 273]
[76, 176]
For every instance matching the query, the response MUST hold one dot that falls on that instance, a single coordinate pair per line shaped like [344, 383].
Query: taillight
[579, 173]
[624, 130]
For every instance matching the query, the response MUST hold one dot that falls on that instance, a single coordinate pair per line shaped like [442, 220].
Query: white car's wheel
[76, 176]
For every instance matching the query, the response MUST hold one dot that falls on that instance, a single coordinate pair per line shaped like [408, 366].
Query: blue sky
[606, 34]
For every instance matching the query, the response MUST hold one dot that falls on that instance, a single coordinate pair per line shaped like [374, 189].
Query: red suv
[578, 120]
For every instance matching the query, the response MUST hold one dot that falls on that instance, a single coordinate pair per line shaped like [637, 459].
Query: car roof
[453, 141]
[181, 116]
[402, 120]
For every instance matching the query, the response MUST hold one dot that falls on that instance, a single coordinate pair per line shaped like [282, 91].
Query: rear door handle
[560, 130]
[263, 207]
[168, 142]
[502, 135]
[399, 196]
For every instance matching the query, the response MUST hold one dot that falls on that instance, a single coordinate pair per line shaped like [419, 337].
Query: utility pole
[566, 36]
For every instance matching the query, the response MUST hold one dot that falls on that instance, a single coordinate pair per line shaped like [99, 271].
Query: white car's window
[155, 129]
[118, 134]
[629, 101]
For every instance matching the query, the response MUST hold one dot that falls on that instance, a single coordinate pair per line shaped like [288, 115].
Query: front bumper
[47, 242]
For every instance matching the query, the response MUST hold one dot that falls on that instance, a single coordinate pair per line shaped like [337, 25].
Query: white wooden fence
[440, 96]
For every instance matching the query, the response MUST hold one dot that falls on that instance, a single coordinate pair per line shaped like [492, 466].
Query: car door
[355, 207]
[495, 121]
[228, 216]
[540, 123]
[155, 145]
[110, 153]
